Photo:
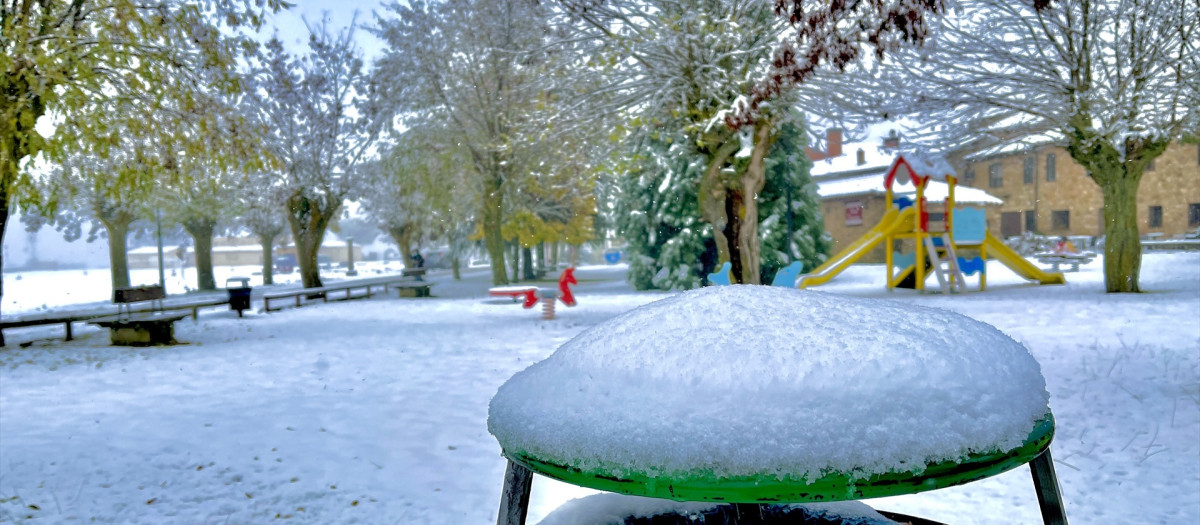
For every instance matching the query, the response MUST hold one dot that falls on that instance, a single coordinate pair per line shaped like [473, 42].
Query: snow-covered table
[766, 395]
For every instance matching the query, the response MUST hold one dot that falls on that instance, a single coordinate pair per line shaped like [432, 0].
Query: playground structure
[906, 222]
[531, 295]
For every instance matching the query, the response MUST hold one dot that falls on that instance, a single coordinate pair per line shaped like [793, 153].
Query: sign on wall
[854, 213]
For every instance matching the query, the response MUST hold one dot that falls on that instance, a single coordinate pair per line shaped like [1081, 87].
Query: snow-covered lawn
[374, 411]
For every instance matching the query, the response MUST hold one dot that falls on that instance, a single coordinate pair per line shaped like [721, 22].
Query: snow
[876, 158]
[873, 185]
[838, 383]
[374, 411]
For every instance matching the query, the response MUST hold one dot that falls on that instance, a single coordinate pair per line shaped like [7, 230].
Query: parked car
[285, 263]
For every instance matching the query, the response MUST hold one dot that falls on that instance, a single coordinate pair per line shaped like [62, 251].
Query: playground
[374, 411]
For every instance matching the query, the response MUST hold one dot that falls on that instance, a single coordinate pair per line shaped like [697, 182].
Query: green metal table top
[833, 486]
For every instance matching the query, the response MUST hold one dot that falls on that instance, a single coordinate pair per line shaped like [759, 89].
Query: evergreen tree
[788, 167]
[670, 246]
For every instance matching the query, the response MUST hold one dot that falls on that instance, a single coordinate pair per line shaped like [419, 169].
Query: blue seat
[787, 275]
[721, 277]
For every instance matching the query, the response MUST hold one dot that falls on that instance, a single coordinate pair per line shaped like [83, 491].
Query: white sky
[291, 29]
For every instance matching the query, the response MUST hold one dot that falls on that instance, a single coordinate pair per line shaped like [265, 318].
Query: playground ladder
[950, 277]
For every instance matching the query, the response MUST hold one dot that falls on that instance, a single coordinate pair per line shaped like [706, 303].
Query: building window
[1030, 221]
[1050, 173]
[1060, 219]
[995, 175]
[1156, 216]
[969, 177]
[1193, 214]
[1030, 169]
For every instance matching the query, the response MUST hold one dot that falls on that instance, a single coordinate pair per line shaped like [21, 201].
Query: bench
[326, 293]
[129, 328]
[1056, 259]
[415, 288]
[417, 274]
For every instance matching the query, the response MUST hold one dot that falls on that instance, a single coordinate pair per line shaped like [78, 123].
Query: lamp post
[162, 280]
[350, 271]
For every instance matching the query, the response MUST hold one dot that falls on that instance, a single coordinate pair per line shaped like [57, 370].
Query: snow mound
[772, 382]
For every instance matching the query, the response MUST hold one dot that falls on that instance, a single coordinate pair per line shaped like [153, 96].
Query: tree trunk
[712, 198]
[527, 257]
[118, 261]
[730, 234]
[554, 256]
[456, 268]
[1118, 176]
[1122, 244]
[3, 225]
[748, 241]
[541, 261]
[201, 231]
[493, 208]
[516, 262]
[308, 221]
[267, 241]
[402, 235]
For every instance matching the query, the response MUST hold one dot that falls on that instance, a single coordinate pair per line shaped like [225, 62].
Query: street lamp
[350, 271]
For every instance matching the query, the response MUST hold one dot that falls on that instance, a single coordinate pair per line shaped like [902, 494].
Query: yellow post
[919, 265]
[887, 207]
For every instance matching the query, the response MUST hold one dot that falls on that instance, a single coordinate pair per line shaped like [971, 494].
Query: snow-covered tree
[320, 113]
[59, 58]
[670, 245]
[262, 203]
[1115, 81]
[657, 212]
[692, 63]
[475, 65]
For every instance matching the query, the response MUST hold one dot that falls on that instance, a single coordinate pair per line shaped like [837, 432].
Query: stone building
[1046, 192]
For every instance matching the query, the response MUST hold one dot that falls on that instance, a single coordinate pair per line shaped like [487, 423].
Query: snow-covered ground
[374, 411]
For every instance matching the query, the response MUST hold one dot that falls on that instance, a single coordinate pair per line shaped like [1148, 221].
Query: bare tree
[475, 66]
[1115, 81]
[319, 109]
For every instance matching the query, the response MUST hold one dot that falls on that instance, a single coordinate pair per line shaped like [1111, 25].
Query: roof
[872, 184]
[852, 178]
[913, 164]
[875, 157]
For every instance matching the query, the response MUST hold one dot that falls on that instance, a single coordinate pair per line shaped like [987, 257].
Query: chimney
[892, 141]
[862, 157]
[833, 140]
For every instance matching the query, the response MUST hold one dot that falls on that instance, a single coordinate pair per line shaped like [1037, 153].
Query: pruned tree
[475, 66]
[262, 203]
[319, 111]
[1114, 81]
[729, 70]
[59, 58]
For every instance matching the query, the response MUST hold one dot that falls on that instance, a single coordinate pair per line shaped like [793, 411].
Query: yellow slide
[893, 222]
[998, 251]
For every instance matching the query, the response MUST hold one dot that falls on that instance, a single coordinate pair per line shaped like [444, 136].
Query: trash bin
[239, 295]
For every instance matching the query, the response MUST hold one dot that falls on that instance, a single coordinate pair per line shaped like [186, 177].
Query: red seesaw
[532, 294]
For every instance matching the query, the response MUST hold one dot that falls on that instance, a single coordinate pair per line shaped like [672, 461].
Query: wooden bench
[417, 274]
[414, 288]
[1073, 259]
[129, 328]
[329, 292]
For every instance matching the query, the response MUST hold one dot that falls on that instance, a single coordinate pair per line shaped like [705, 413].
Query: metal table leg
[514, 498]
[1045, 482]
